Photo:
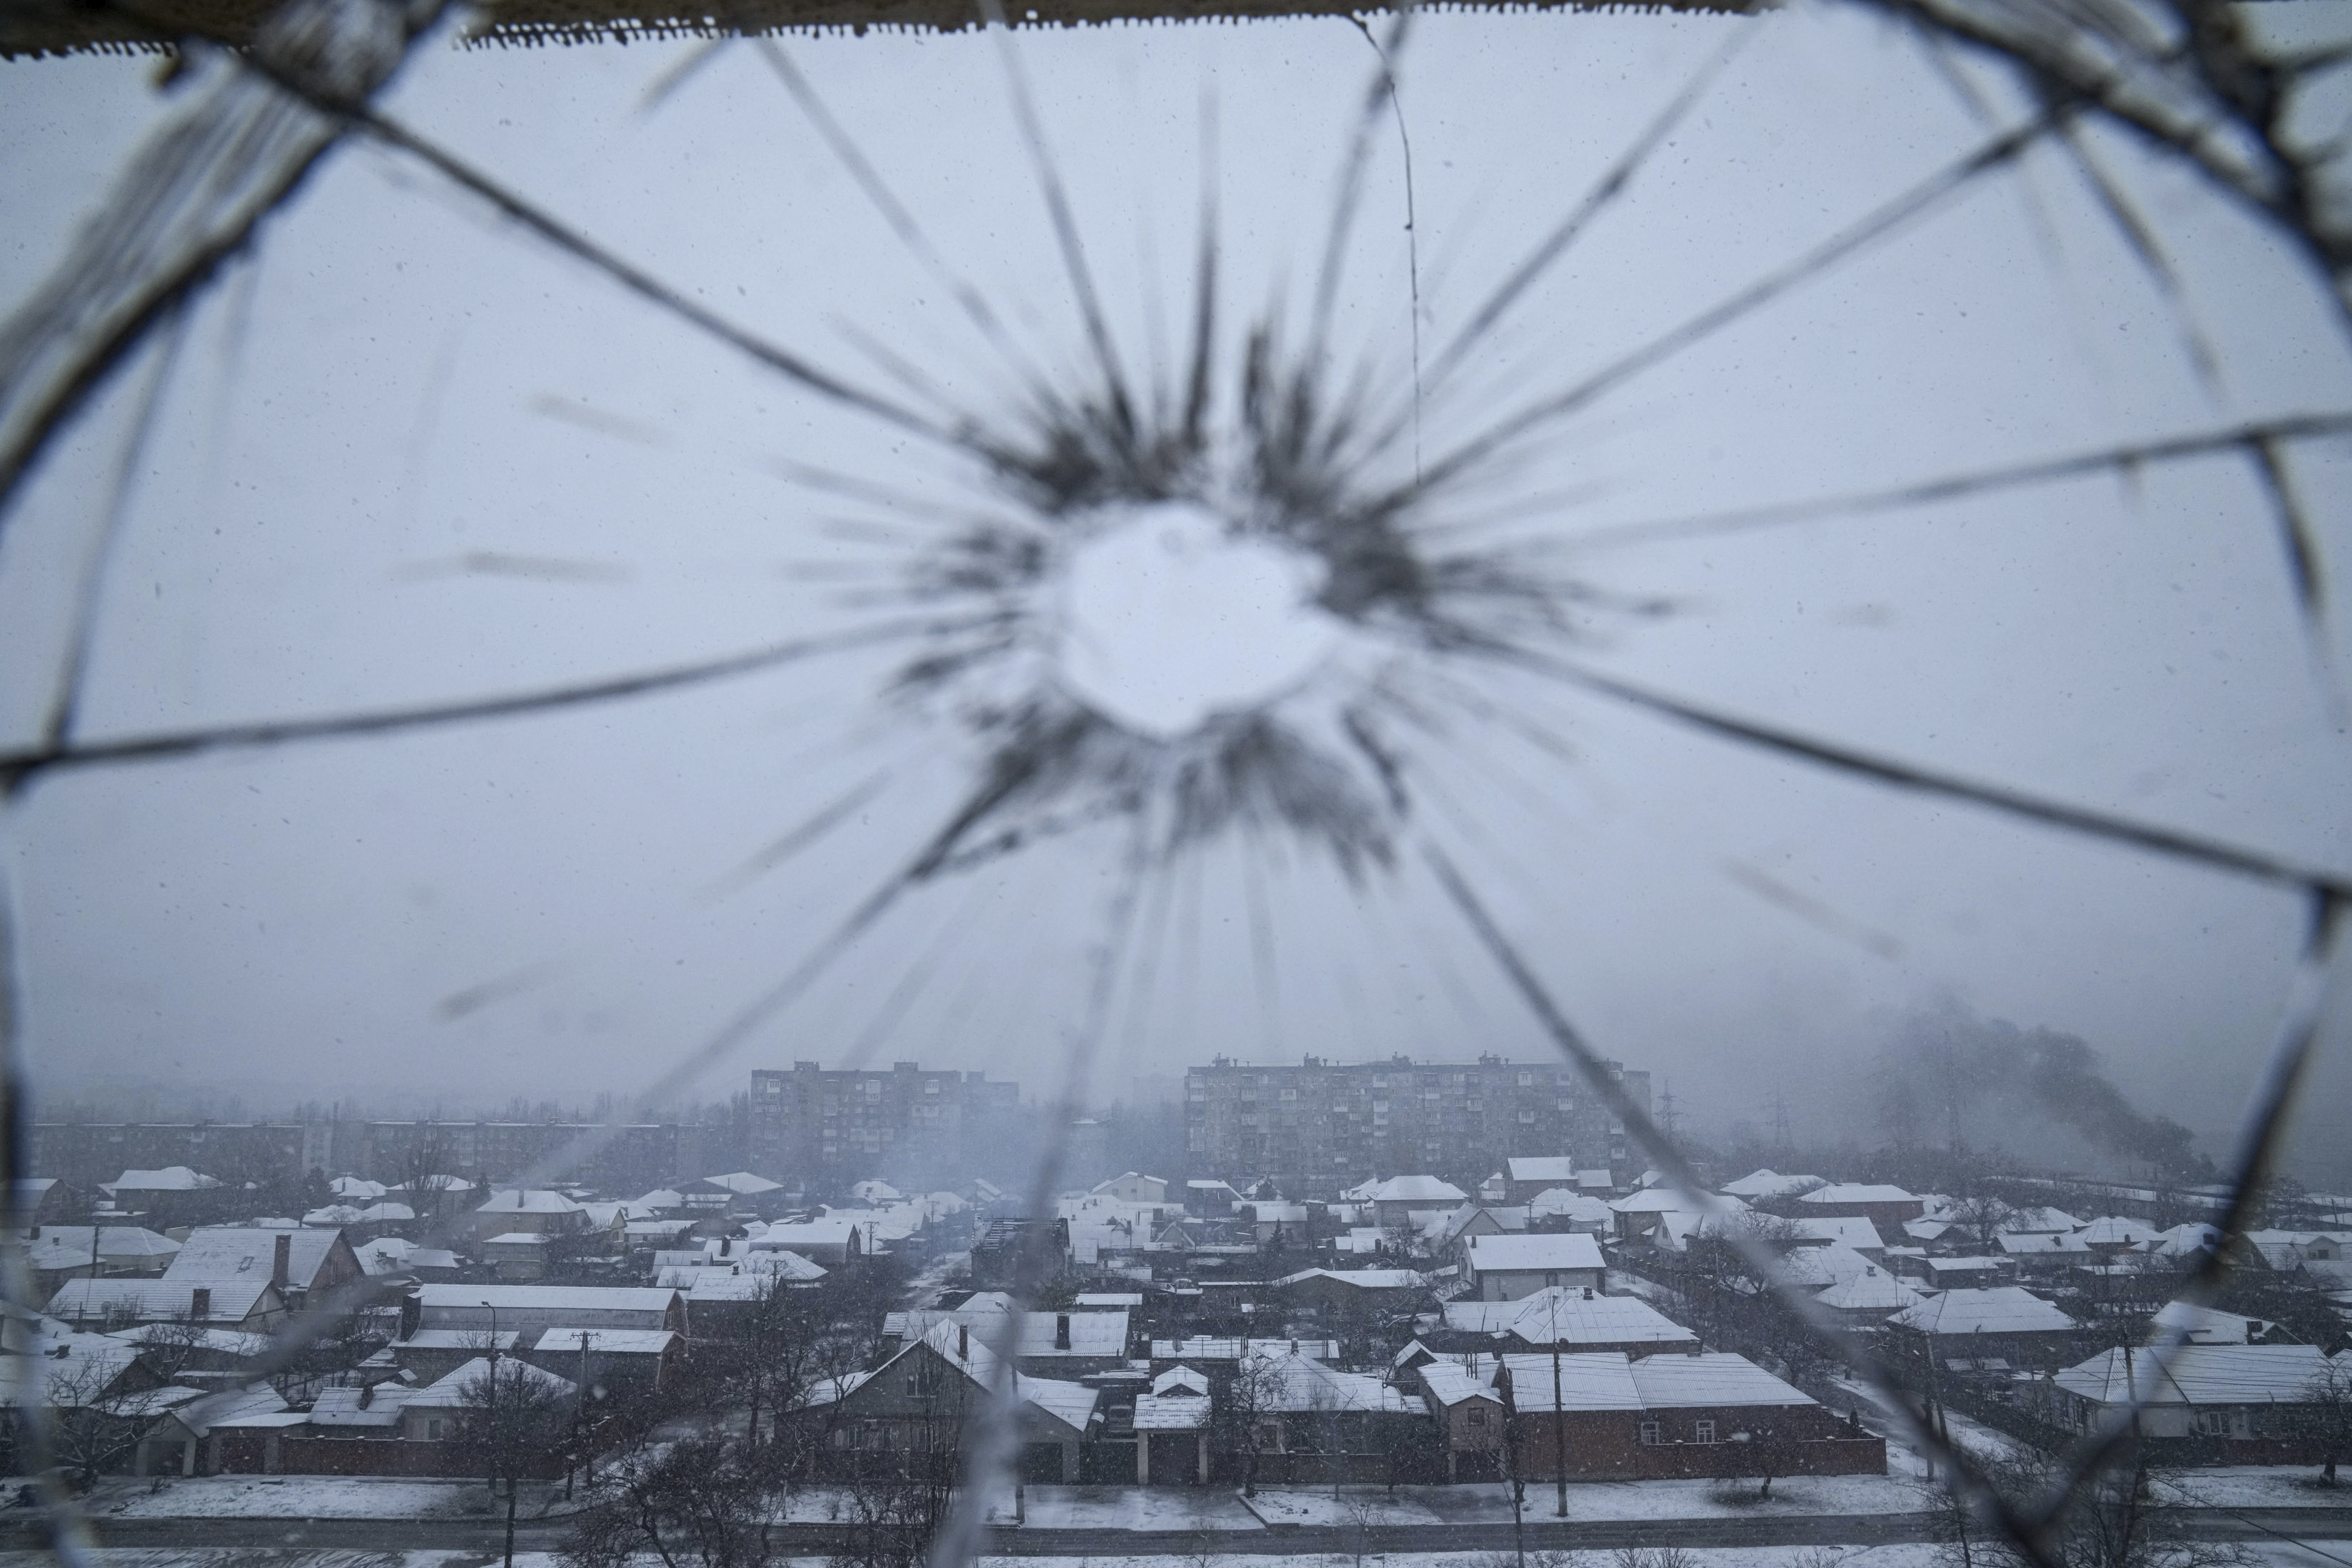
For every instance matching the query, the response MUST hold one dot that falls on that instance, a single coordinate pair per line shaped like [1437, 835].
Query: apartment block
[906, 1120]
[1321, 1126]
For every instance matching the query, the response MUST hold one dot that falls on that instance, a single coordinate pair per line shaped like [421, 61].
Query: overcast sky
[406, 453]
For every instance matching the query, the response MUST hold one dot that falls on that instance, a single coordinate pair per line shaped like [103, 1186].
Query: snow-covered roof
[1872, 1290]
[1093, 1335]
[1565, 1203]
[462, 1388]
[338, 1409]
[1209, 1348]
[2040, 1244]
[2198, 1375]
[1853, 1230]
[2114, 1230]
[249, 1252]
[516, 1239]
[1414, 1190]
[1099, 1300]
[1767, 1183]
[1540, 1168]
[1522, 1253]
[582, 1297]
[2040, 1218]
[1562, 1315]
[332, 1215]
[2183, 1239]
[459, 1340]
[659, 1199]
[805, 1234]
[116, 1243]
[1361, 1279]
[1171, 1412]
[261, 1406]
[1858, 1192]
[1818, 1266]
[2203, 1325]
[788, 1267]
[605, 1341]
[1664, 1199]
[357, 1189]
[170, 1179]
[1290, 1382]
[157, 1299]
[386, 1213]
[84, 1375]
[2003, 1309]
[1667, 1381]
[1450, 1382]
[744, 1184]
[1592, 1380]
[528, 1200]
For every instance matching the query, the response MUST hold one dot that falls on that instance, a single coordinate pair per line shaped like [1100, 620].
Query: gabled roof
[744, 1184]
[1540, 1168]
[355, 1189]
[2003, 1309]
[2037, 1243]
[1071, 1404]
[561, 1340]
[2044, 1219]
[2198, 1375]
[1530, 1253]
[528, 1200]
[1361, 1279]
[68, 1244]
[1817, 1266]
[1851, 1230]
[2204, 1326]
[249, 1252]
[1766, 1183]
[1093, 1335]
[1293, 1383]
[1859, 1192]
[340, 1409]
[1450, 1382]
[1568, 1203]
[170, 1179]
[2114, 1230]
[1592, 1380]
[1181, 1378]
[156, 1301]
[1665, 1200]
[1872, 1290]
[240, 1408]
[1558, 1314]
[90, 1372]
[459, 1390]
[1414, 1190]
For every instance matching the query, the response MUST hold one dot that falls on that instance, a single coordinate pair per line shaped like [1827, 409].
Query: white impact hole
[1169, 618]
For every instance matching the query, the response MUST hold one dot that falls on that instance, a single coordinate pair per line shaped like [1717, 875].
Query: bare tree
[517, 1417]
[706, 1500]
[2114, 1518]
[1238, 1420]
[2326, 1415]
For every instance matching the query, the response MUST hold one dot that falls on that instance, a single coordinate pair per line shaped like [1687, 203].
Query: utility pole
[1782, 1140]
[1559, 1412]
[1668, 1117]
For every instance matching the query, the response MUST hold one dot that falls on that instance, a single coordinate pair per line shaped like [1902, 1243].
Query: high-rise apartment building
[1319, 1126]
[930, 1125]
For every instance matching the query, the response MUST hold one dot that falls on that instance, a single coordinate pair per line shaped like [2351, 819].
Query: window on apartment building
[1650, 1432]
[1290, 1094]
[1527, 1116]
[1527, 1081]
[1705, 1432]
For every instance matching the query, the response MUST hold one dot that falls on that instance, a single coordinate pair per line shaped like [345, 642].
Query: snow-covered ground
[2319, 1555]
[308, 1497]
[2263, 1486]
[1594, 1500]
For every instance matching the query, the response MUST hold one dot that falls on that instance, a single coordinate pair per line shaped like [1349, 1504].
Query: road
[814, 1540]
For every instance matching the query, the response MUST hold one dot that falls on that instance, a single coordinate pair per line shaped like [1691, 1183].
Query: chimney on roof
[281, 1259]
[1061, 1331]
[200, 1303]
[963, 1342]
[1588, 1292]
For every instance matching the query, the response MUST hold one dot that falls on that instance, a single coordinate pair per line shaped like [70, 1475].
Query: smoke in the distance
[1948, 1065]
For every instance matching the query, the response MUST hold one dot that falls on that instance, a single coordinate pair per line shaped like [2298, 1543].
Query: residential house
[1395, 1200]
[528, 1211]
[2247, 1404]
[304, 1264]
[232, 1431]
[906, 1415]
[1524, 1175]
[1471, 1413]
[1767, 1185]
[440, 1412]
[1615, 1418]
[1210, 1199]
[1171, 1430]
[1565, 1208]
[1506, 1268]
[494, 1308]
[2205, 1326]
[1055, 1344]
[610, 1360]
[174, 1195]
[1218, 1356]
[56, 1253]
[256, 1305]
[833, 1243]
[1991, 1331]
[1133, 1187]
[1868, 1298]
[1308, 1422]
[39, 1200]
[1887, 1208]
[1351, 1291]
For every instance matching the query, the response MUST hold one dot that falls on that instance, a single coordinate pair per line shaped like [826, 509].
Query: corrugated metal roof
[2198, 1375]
